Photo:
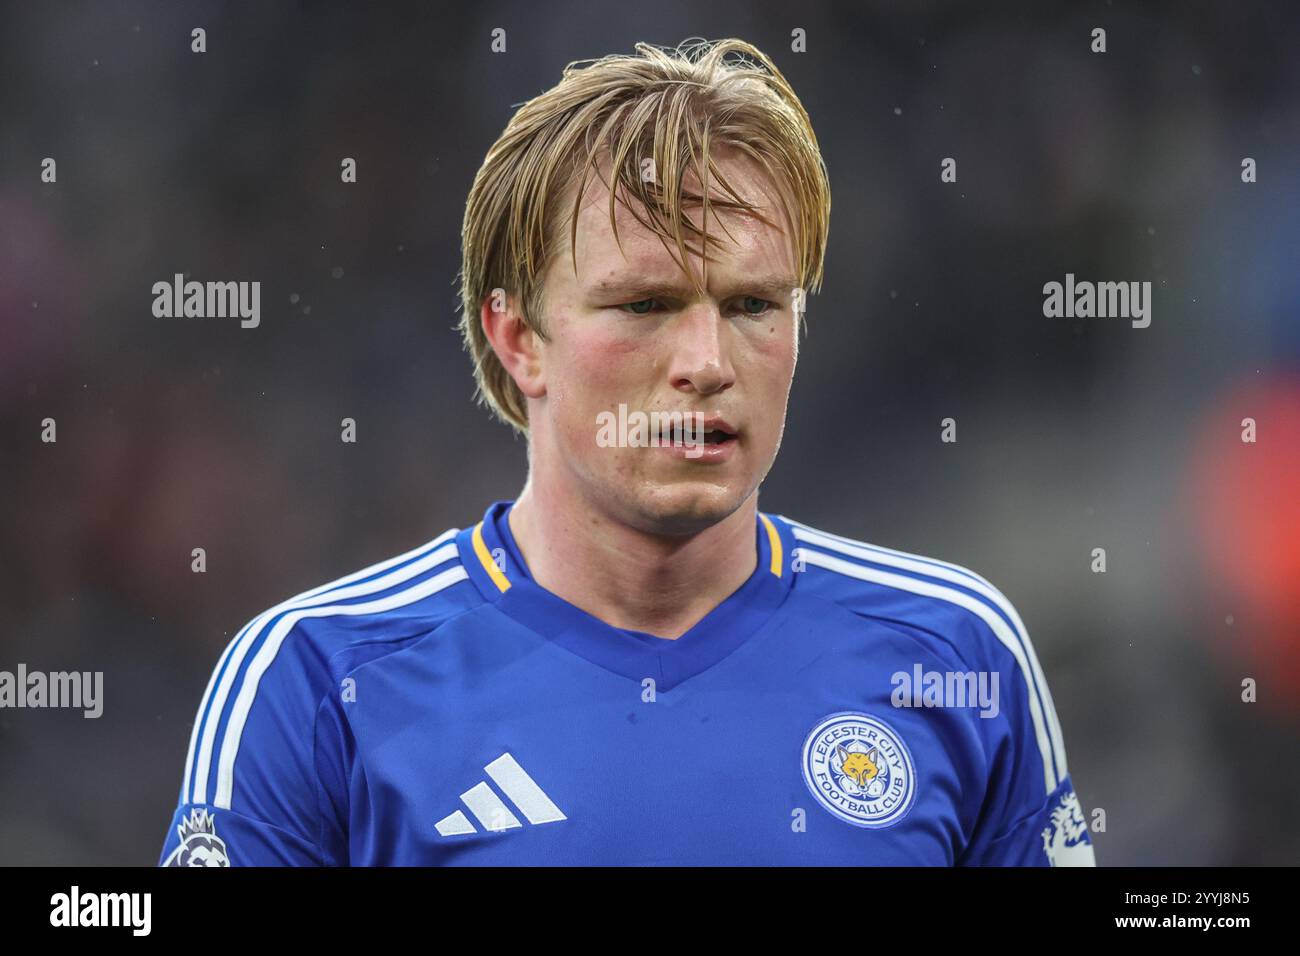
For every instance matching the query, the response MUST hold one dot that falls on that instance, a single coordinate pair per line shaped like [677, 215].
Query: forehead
[739, 242]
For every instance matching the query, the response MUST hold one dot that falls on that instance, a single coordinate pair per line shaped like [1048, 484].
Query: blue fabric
[430, 711]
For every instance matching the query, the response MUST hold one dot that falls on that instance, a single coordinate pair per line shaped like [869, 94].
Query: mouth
[718, 432]
[710, 440]
[711, 431]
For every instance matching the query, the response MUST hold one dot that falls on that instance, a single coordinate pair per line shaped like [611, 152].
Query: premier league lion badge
[1065, 840]
[200, 845]
[860, 770]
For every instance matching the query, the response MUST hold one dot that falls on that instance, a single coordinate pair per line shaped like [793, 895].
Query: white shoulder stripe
[198, 717]
[233, 657]
[967, 579]
[881, 550]
[976, 606]
[221, 664]
[271, 646]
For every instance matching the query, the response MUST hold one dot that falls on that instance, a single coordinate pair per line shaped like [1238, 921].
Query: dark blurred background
[1073, 434]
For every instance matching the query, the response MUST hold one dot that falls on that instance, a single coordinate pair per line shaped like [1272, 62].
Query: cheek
[593, 373]
[772, 363]
[614, 361]
[775, 353]
[604, 368]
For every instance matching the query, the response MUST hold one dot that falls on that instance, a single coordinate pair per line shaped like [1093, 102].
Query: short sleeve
[1055, 834]
[252, 793]
[1029, 814]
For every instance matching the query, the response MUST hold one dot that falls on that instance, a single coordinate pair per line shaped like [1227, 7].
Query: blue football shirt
[848, 705]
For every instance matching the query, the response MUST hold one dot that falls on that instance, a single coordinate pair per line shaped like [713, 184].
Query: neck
[658, 584]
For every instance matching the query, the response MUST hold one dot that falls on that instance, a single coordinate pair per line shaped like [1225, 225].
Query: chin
[681, 508]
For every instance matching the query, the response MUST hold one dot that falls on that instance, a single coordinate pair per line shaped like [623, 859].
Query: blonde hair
[674, 106]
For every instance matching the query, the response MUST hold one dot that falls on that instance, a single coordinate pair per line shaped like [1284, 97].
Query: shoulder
[875, 581]
[384, 604]
[943, 605]
[273, 674]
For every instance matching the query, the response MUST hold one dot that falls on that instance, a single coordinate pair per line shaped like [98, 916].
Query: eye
[636, 308]
[753, 305]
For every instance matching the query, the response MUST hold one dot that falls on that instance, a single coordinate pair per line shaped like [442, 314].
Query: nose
[701, 359]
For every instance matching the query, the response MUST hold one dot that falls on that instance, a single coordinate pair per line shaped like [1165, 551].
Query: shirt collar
[497, 568]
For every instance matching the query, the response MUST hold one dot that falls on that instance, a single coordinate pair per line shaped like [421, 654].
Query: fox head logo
[862, 767]
[859, 769]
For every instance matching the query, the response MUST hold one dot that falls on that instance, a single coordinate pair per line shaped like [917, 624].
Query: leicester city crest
[200, 845]
[860, 770]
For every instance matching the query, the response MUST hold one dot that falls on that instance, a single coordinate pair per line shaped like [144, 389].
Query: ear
[518, 347]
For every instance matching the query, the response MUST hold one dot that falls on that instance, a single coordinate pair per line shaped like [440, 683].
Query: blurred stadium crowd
[1073, 434]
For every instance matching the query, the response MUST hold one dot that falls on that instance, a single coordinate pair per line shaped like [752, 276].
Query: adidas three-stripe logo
[491, 811]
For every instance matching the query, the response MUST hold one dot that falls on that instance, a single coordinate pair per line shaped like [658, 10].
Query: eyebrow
[633, 288]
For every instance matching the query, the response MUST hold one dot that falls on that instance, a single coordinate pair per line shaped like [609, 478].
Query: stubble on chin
[674, 508]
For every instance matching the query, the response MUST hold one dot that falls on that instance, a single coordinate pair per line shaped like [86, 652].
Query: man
[630, 664]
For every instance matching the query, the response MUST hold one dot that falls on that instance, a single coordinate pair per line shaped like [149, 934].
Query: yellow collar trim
[774, 540]
[480, 548]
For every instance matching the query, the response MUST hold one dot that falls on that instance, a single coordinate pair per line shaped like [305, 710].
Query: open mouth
[711, 433]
